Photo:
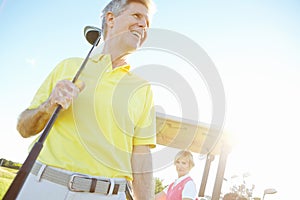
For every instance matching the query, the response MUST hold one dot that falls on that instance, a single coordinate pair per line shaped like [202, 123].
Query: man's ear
[110, 19]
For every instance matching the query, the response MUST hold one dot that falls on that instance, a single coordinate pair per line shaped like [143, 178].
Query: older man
[102, 138]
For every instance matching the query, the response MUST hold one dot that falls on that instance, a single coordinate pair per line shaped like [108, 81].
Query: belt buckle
[71, 181]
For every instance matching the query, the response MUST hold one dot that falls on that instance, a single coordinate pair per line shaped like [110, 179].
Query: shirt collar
[181, 178]
[106, 58]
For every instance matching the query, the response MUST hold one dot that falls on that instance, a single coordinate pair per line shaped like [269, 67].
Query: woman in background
[183, 188]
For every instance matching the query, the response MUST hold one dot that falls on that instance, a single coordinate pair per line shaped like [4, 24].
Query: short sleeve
[189, 190]
[66, 69]
[43, 92]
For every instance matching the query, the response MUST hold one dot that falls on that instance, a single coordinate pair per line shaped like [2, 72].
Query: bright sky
[254, 45]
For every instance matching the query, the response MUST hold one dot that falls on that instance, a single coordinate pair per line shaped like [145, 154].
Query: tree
[159, 185]
[9, 164]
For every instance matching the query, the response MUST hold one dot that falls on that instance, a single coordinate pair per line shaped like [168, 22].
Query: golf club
[91, 34]
[94, 34]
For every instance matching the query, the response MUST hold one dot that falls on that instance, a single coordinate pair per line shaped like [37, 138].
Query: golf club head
[91, 33]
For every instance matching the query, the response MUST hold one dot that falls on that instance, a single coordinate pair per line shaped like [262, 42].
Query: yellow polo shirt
[96, 134]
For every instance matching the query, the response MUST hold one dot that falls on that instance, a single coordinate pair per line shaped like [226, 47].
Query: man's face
[129, 28]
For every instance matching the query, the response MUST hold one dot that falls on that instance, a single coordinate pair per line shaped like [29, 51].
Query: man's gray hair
[118, 6]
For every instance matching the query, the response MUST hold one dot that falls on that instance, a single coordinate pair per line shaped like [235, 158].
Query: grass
[6, 177]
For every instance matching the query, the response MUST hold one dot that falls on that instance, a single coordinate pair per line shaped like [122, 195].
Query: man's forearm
[143, 187]
[32, 121]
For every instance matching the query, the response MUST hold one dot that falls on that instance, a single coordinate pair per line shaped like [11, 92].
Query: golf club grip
[19, 180]
[23, 172]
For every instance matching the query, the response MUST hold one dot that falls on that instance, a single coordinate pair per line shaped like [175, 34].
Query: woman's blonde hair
[185, 154]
